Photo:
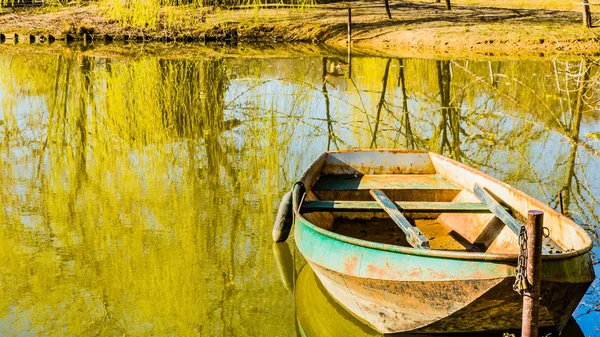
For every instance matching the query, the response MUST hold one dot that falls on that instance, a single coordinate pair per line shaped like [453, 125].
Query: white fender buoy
[284, 219]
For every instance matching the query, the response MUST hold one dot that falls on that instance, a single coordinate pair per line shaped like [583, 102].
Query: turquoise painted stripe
[367, 262]
[335, 252]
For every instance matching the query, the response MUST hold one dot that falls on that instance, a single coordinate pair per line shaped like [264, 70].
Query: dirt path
[416, 28]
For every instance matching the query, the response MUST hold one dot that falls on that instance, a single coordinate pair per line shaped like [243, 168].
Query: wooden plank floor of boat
[440, 236]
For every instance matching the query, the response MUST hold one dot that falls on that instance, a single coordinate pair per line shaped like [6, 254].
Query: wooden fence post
[587, 15]
[387, 9]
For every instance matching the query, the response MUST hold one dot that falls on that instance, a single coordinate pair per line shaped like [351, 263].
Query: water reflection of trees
[214, 141]
[144, 197]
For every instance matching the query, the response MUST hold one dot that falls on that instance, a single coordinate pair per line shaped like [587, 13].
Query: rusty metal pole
[531, 298]
[349, 25]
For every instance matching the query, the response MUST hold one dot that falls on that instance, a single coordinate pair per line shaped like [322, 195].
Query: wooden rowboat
[411, 241]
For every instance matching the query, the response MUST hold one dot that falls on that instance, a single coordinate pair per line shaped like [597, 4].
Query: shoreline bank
[416, 28]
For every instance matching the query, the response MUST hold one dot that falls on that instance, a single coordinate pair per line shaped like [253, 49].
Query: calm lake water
[138, 193]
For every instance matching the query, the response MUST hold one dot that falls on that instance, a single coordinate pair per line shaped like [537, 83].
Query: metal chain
[521, 285]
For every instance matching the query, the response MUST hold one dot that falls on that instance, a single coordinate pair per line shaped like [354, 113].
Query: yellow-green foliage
[161, 14]
[128, 206]
[172, 13]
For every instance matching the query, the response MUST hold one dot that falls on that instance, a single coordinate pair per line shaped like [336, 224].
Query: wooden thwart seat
[404, 206]
[382, 203]
[383, 182]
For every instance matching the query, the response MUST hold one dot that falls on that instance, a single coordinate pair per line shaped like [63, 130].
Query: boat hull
[320, 315]
[399, 292]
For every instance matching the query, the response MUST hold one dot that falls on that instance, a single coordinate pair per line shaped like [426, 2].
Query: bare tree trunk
[330, 134]
[410, 138]
[587, 15]
[387, 9]
[381, 102]
[448, 7]
[82, 121]
[575, 128]
[449, 127]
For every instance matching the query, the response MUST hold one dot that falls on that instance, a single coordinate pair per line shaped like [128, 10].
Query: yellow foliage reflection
[138, 193]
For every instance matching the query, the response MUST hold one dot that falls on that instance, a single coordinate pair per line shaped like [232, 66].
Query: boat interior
[422, 200]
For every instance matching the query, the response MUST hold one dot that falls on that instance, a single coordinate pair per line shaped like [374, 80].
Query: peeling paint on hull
[449, 306]
[320, 315]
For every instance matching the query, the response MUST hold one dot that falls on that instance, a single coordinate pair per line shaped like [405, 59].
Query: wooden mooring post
[531, 297]
[349, 61]
[349, 42]
[349, 25]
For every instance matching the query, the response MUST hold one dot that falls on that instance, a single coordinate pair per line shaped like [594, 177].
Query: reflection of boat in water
[285, 264]
[319, 315]
[451, 268]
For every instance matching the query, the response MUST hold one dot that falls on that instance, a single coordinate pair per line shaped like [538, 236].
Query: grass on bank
[500, 27]
[151, 13]
[154, 14]
[569, 5]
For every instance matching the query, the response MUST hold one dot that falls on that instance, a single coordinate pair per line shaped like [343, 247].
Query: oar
[500, 212]
[413, 235]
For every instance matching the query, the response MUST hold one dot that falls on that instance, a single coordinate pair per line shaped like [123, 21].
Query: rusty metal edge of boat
[439, 253]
